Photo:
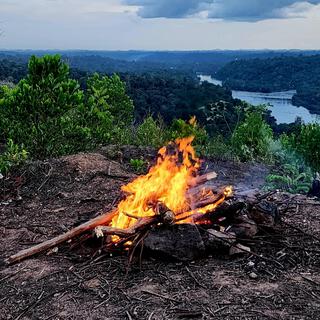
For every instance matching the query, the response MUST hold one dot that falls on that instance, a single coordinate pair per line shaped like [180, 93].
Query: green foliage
[138, 165]
[289, 173]
[181, 129]
[151, 133]
[291, 177]
[36, 112]
[50, 115]
[216, 147]
[251, 139]
[13, 156]
[306, 143]
[107, 96]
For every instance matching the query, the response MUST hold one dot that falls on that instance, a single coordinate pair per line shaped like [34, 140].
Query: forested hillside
[12, 71]
[300, 73]
[142, 61]
[174, 96]
[166, 93]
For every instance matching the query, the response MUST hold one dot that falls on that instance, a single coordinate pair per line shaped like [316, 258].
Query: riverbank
[281, 104]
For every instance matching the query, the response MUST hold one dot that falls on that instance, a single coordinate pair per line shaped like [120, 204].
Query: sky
[159, 24]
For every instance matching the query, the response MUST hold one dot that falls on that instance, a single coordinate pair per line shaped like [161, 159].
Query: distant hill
[141, 61]
[300, 73]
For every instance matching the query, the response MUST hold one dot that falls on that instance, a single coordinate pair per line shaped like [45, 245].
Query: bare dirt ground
[279, 280]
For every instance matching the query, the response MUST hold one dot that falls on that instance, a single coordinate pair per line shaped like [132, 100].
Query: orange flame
[167, 182]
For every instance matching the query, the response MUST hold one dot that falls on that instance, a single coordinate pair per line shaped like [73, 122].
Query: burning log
[205, 206]
[203, 178]
[142, 223]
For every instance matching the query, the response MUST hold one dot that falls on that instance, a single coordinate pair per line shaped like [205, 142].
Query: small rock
[251, 264]
[92, 284]
[253, 275]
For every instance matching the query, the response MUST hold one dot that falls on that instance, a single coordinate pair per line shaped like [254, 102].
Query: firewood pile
[174, 212]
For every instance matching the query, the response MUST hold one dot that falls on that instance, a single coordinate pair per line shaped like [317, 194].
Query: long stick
[140, 225]
[89, 225]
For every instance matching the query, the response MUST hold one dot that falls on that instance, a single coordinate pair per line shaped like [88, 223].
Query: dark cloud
[166, 8]
[246, 10]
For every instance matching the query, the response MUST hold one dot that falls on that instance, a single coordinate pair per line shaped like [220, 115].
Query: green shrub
[251, 139]
[290, 177]
[50, 115]
[35, 112]
[13, 156]
[306, 143]
[151, 133]
[290, 172]
[181, 129]
[108, 108]
[216, 147]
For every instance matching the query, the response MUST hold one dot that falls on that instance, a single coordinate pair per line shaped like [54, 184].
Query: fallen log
[89, 225]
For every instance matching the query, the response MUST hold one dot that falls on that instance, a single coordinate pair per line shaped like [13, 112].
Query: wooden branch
[89, 225]
[203, 178]
[207, 205]
[124, 233]
[210, 200]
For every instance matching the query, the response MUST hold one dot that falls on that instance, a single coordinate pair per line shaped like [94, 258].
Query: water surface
[280, 103]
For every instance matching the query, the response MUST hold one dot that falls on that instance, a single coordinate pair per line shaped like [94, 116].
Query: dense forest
[300, 73]
[146, 61]
[165, 93]
[175, 96]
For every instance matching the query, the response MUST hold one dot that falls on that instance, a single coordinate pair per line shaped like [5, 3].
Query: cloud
[167, 8]
[238, 10]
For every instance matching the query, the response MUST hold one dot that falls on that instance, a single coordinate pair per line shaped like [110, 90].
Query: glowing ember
[167, 182]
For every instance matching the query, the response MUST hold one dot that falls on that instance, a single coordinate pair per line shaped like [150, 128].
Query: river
[280, 103]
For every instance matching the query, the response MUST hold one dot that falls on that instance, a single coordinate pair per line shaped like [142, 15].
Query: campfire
[171, 196]
[167, 192]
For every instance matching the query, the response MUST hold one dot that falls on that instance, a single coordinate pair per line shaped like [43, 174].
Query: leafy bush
[290, 172]
[181, 129]
[50, 115]
[216, 147]
[151, 133]
[35, 112]
[290, 177]
[13, 156]
[251, 139]
[106, 96]
[306, 143]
